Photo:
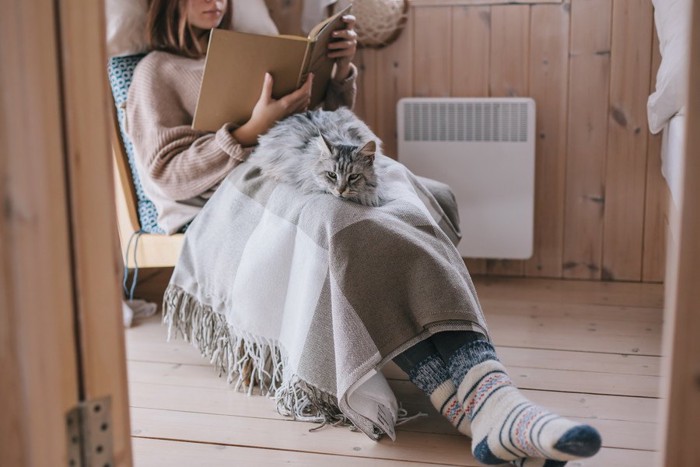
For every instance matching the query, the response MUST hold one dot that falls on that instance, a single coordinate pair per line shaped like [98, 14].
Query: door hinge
[89, 434]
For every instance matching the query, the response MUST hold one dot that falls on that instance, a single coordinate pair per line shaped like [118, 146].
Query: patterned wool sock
[432, 377]
[505, 425]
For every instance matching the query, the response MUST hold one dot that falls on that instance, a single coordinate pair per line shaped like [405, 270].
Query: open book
[236, 64]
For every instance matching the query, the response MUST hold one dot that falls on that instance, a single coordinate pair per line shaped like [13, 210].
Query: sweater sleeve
[342, 94]
[183, 163]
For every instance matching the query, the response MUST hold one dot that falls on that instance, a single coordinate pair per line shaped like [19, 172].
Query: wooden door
[61, 332]
[680, 447]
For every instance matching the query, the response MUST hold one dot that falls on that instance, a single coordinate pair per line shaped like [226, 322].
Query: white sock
[505, 425]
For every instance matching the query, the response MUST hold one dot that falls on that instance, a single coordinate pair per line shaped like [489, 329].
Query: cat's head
[346, 170]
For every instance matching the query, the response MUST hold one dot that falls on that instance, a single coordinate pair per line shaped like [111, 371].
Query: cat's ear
[369, 150]
[323, 144]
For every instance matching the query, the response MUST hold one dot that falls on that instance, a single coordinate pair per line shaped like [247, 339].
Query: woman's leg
[506, 425]
[427, 370]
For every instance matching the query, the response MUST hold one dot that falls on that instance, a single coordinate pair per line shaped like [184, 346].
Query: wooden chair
[143, 246]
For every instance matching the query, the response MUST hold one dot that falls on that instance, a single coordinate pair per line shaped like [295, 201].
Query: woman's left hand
[343, 48]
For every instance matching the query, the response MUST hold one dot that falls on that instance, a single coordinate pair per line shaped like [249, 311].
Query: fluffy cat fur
[323, 151]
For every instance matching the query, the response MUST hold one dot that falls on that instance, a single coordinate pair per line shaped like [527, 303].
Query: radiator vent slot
[466, 121]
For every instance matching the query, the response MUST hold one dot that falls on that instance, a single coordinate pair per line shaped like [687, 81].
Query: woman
[182, 167]
[424, 316]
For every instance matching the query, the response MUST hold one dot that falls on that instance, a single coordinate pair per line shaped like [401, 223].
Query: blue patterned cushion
[121, 70]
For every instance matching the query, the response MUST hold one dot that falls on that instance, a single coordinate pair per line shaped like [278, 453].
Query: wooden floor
[587, 350]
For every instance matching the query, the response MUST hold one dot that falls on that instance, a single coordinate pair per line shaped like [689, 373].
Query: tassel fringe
[248, 361]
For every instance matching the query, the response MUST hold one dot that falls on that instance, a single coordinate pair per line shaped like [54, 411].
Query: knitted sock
[464, 428]
[432, 377]
[505, 425]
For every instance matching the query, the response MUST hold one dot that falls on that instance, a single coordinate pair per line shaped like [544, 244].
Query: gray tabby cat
[322, 151]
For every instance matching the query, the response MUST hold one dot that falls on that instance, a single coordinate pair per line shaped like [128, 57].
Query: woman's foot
[505, 425]
[432, 376]
[444, 399]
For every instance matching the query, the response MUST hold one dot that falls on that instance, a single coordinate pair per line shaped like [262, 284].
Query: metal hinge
[89, 434]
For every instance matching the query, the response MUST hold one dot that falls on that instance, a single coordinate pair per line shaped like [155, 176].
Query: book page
[328, 22]
[236, 63]
[318, 62]
[235, 66]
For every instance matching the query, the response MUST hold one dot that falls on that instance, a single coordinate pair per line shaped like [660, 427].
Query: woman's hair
[167, 27]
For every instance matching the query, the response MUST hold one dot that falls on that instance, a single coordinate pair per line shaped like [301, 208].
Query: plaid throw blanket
[308, 295]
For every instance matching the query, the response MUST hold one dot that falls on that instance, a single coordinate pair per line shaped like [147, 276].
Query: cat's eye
[354, 177]
[332, 175]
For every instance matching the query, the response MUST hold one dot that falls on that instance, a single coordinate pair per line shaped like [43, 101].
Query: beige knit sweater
[180, 167]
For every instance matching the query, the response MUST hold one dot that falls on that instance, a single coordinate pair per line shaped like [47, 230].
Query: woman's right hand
[268, 111]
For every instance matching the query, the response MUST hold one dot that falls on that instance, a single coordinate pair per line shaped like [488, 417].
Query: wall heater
[484, 148]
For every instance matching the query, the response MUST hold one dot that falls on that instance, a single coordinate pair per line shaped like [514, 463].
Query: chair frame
[149, 250]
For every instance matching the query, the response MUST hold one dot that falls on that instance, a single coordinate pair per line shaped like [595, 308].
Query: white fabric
[279, 280]
[254, 17]
[275, 248]
[672, 148]
[126, 23]
[137, 309]
[314, 11]
[373, 398]
[126, 27]
[672, 18]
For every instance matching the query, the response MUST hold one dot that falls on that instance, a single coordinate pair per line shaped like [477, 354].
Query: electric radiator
[484, 148]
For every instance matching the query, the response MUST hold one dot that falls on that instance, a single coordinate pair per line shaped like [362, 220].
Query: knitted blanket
[308, 295]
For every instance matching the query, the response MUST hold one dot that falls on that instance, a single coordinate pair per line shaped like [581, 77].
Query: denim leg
[424, 366]
[449, 342]
[411, 357]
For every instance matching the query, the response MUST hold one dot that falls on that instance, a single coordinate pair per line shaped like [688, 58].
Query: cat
[323, 151]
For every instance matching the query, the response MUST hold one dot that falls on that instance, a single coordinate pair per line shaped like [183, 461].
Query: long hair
[167, 27]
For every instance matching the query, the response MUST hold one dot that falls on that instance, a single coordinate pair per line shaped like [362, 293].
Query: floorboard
[587, 350]
[167, 453]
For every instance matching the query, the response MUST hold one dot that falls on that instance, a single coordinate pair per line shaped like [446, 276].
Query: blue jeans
[443, 344]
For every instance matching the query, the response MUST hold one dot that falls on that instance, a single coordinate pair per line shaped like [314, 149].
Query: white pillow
[672, 18]
[126, 27]
[254, 17]
[126, 23]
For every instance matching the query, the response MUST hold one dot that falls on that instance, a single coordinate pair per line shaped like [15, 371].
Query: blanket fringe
[249, 361]
[246, 360]
[304, 402]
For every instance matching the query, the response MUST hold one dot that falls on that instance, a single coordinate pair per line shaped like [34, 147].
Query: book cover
[236, 64]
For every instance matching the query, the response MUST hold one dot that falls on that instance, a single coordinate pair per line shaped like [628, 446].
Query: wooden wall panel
[549, 72]
[471, 56]
[432, 52]
[657, 196]
[510, 48]
[97, 266]
[589, 78]
[39, 383]
[286, 14]
[476, 2]
[366, 101]
[395, 80]
[471, 51]
[625, 173]
[509, 76]
[681, 391]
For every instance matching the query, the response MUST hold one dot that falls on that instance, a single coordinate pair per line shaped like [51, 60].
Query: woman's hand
[343, 49]
[268, 111]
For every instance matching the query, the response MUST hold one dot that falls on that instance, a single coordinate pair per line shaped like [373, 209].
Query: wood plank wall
[601, 202]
